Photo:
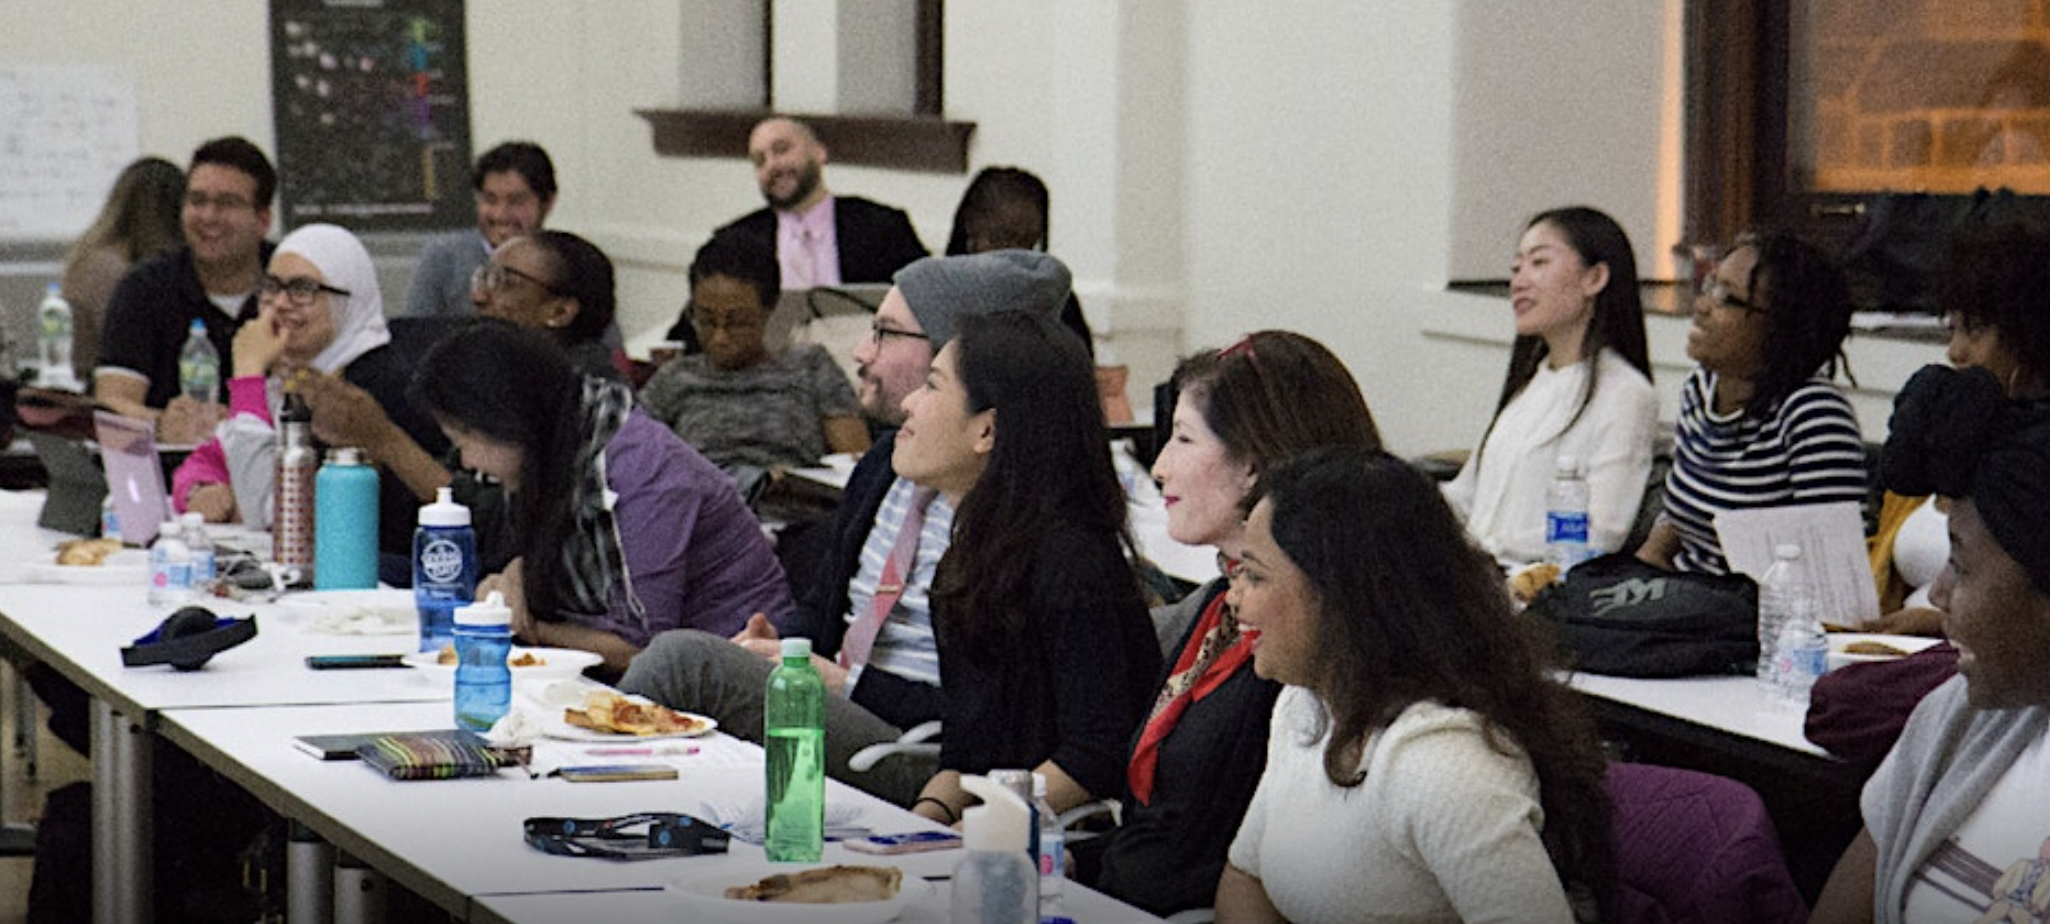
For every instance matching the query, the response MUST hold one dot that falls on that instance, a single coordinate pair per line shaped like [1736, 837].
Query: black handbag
[1617, 615]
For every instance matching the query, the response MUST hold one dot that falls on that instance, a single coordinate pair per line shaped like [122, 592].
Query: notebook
[135, 476]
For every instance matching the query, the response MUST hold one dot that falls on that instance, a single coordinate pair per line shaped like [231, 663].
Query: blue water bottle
[483, 637]
[444, 568]
[345, 523]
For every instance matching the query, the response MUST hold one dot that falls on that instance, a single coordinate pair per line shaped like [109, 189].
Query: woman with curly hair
[1423, 764]
[1761, 423]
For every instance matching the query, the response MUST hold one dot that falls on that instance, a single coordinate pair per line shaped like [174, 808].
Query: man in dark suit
[820, 239]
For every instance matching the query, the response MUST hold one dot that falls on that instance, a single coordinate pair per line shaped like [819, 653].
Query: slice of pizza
[832, 885]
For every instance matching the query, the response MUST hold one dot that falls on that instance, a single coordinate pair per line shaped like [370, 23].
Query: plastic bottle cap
[1567, 465]
[797, 648]
[1001, 822]
[1787, 551]
[444, 511]
[192, 519]
[490, 611]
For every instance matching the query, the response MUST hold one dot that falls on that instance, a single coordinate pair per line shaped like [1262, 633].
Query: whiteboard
[65, 134]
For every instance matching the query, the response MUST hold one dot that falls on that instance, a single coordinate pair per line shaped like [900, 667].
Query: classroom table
[79, 629]
[651, 906]
[457, 843]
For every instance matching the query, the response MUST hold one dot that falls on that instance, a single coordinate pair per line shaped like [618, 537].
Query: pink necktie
[861, 637]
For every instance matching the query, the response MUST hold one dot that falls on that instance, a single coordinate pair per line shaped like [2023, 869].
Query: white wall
[1218, 166]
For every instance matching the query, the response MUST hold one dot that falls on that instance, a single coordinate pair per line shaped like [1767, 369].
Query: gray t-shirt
[767, 415]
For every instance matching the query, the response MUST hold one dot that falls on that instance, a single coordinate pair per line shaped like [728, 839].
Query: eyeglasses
[226, 203]
[298, 292]
[492, 277]
[880, 333]
[1713, 290]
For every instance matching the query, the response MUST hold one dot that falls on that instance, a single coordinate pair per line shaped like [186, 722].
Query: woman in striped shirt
[1761, 424]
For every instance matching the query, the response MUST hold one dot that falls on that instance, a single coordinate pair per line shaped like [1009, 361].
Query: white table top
[448, 840]
[655, 907]
[81, 630]
[1732, 704]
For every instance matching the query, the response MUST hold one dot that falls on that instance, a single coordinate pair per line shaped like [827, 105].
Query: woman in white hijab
[320, 310]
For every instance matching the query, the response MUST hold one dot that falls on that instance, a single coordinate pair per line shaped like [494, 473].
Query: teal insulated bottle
[345, 523]
[794, 731]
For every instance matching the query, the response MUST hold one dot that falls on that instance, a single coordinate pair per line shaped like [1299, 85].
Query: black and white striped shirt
[1807, 450]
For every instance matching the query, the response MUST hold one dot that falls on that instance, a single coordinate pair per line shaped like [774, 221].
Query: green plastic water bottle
[794, 733]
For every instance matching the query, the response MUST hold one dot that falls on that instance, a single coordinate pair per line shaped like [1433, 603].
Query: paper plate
[555, 727]
[1904, 644]
[701, 894]
[555, 663]
[353, 612]
[128, 566]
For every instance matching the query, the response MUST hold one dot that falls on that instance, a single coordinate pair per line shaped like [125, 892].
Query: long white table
[458, 843]
[1730, 705]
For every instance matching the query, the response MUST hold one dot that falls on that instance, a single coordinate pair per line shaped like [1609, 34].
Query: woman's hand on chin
[259, 344]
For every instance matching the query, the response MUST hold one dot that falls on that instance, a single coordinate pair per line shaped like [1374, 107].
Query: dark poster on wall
[371, 102]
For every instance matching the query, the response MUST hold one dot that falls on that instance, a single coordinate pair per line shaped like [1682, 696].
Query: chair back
[1694, 848]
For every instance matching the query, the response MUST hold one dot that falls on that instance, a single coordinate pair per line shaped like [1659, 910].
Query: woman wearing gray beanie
[1953, 817]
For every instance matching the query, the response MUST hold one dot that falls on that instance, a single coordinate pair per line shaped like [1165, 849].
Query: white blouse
[1501, 489]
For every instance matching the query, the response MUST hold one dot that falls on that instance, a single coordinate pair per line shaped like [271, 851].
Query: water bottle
[53, 341]
[483, 639]
[995, 882]
[444, 567]
[1053, 845]
[345, 522]
[1020, 782]
[1800, 657]
[199, 366]
[110, 519]
[292, 510]
[170, 568]
[1566, 515]
[202, 548]
[794, 729]
[1782, 592]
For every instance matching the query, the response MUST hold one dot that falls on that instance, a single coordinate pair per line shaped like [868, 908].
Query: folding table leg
[359, 892]
[123, 813]
[310, 876]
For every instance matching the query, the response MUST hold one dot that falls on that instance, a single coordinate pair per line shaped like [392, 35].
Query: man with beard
[820, 239]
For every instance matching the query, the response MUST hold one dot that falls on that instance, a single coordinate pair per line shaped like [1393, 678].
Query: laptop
[135, 475]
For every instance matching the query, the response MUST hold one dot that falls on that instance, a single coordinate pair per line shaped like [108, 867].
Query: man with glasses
[514, 188]
[212, 279]
[870, 591]
[820, 239]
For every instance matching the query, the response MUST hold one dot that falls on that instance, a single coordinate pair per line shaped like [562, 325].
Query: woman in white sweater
[1423, 766]
[1579, 385]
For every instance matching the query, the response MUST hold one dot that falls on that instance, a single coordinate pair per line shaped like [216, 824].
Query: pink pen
[642, 752]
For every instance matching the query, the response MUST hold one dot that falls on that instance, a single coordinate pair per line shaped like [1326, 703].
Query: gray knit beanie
[941, 289]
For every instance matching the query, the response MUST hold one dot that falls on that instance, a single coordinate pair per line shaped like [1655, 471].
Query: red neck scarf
[1215, 655]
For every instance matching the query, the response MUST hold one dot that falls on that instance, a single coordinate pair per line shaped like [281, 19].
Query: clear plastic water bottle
[1781, 593]
[202, 548]
[483, 638]
[1053, 846]
[199, 366]
[794, 730]
[1799, 659]
[53, 341]
[444, 567]
[1566, 532]
[170, 568]
[110, 519]
[345, 522]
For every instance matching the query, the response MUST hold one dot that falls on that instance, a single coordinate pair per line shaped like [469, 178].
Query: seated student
[1402, 783]
[138, 221]
[561, 283]
[1238, 412]
[737, 403]
[1990, 283]
[320, 313]
[898, 683]
[1761, 424]
[1955, 816]
[1579, 385]
[1044, 642]
[513, 185]
[1007, 208]
[624, 531]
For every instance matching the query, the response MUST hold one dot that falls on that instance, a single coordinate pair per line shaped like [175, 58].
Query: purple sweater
[696, 555]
